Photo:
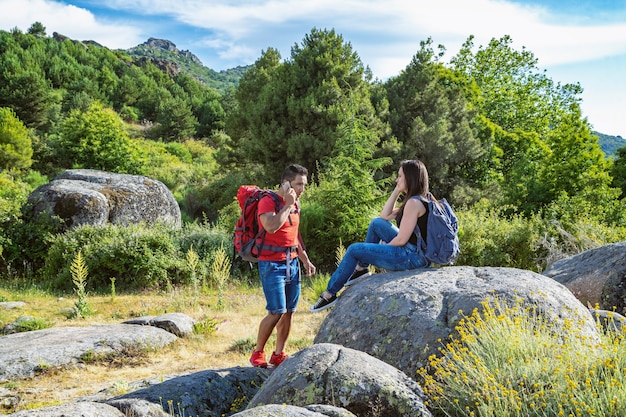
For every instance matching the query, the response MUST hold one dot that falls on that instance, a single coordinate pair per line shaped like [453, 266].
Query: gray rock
[139, 408]
[10, 305]
[342, 377]
[403, 317]
[329, 410]
[176, 323]
[80, 409]
[211, 393]
[596, 277]
[84, 196]
[26, 354]
[14, 326]
[8, 399]
[284, 410]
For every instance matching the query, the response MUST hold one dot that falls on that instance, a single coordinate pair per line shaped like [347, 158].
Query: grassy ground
[234, 316]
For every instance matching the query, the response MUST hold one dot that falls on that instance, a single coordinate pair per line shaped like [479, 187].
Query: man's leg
[266, 328]
[283, 328]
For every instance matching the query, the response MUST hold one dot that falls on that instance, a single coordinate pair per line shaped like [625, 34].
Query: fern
[79, 272]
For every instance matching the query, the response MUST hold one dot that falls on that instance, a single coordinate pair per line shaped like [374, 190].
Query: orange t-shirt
[285, 237]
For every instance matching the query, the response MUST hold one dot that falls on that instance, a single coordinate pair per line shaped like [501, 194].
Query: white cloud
[74, 22]
[255, 25]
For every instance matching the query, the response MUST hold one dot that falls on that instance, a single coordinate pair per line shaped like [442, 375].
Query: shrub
[490, 238]
[138, 257]
[511, 361]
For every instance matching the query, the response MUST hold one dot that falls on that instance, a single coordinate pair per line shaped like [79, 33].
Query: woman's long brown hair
[416, 178]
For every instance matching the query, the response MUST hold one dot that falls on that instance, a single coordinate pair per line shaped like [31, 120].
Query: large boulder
[24, 355]
[403, 317]
[596, 277]
[81, 409]
[284, 410]
[85, 196]
[211, 393]
[330, 374]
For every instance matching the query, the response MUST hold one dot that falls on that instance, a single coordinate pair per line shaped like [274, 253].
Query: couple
[387, 246]
[279, 270]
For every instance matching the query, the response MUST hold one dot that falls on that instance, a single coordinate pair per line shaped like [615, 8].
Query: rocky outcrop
[82, 409]
[403, 317]
[336, 375]
[211, 393]
[24, 355]
[84, 196]
[596, 277]
[284, 410]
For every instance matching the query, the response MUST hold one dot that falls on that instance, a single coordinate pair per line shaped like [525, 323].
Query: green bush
[208, 199]
[138, 257]
[489, 238]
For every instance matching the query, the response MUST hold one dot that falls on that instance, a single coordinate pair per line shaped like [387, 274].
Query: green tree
[205, 105]
[433, 121]
[23, 84]
[96, 139]
[293, 111]
[37, 29]
[16, 148]
[536, 127]
[332, 216]
[175, 119]
[618, 170]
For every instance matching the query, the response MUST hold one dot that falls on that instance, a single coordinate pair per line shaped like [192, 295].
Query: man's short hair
[292, 170]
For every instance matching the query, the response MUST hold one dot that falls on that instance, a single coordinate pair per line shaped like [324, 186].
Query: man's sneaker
[322, 304]
[258, 359]
[278, 359]
[357, 274]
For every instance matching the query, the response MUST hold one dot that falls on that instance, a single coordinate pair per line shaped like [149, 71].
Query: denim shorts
[281, 292]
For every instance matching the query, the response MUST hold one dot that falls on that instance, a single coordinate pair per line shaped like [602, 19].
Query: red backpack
[249, 238]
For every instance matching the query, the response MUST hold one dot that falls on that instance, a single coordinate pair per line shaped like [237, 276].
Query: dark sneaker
[258, 359]
[357, 274]
[322, 304]
[278, 359]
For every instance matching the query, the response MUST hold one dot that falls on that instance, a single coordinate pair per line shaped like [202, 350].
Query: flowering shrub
[512, 361]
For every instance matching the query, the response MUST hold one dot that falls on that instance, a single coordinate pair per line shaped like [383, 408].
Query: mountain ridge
[187, 62]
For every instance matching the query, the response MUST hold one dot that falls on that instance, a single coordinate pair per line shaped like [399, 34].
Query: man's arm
[271, 221]
[304, 257]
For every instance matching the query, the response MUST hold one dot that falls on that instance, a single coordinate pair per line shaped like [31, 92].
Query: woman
[387, 246]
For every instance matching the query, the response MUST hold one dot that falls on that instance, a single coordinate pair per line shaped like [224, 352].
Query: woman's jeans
[375, 251]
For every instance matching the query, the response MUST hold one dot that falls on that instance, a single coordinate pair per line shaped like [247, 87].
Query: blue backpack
[442, 246]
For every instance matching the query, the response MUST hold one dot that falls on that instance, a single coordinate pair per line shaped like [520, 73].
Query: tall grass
[511, 361]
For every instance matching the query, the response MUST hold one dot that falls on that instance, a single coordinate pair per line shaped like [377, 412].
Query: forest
[506, 145]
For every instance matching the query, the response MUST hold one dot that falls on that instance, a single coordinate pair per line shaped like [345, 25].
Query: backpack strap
[278, 204]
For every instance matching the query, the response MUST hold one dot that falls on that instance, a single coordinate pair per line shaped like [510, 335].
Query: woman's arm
[413, 209]
[389, 209]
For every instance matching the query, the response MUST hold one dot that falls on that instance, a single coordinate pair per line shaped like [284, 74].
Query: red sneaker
[258, 359]
[278, 359]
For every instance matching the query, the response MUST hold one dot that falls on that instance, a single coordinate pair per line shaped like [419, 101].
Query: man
[280, 269]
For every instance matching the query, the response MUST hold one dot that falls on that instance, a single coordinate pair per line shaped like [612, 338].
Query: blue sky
[574, 40]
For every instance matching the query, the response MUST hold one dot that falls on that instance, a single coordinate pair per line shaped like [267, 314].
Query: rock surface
[84, 196]
[24, 355]
[596, 277]
[403, 317]
[335, 375]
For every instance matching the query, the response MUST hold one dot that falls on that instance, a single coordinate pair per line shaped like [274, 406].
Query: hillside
[610, 144]
[188, 63]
